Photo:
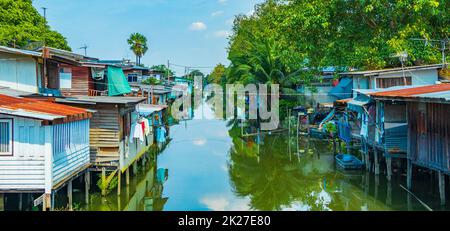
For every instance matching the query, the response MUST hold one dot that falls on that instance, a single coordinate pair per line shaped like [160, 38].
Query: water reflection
[217, 165]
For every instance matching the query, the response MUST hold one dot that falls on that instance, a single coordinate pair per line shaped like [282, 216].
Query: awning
[343, 90]
[146, 109]
[357, 104]
[117, 82]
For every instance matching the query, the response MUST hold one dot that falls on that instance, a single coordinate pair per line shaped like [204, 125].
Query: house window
[393, 82]
[132, 78]
[65, 76]
[6, 137]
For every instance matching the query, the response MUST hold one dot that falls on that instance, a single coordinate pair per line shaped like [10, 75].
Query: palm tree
[138, 44]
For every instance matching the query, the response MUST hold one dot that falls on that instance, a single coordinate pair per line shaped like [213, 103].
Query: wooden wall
[429, 135]
[81, 81]
[105, 134]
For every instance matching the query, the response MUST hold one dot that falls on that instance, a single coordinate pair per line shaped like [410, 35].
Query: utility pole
[168, 72]
[443, 46]
[45, 13]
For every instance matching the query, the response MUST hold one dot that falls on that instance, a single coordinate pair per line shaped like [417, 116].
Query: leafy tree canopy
[288, 41]
[22, 26]
[217, 75]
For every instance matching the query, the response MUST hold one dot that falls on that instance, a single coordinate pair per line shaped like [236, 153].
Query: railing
[97, 93]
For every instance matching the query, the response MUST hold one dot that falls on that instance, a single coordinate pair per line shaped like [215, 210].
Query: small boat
[347, 161]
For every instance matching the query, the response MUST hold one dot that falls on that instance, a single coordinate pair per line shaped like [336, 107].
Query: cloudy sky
[186, 32]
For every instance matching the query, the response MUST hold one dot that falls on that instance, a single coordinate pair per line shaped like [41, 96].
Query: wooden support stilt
[119, 182]
[388, 167]
[2, 202]
[69, 196]
[47, 202]
[442, 187]
[127, 177]
[409, 175]
[87, 186]
[104, 185]
[376, 161]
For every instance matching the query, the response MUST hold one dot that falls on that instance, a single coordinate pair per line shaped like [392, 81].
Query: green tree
[21, 25]
[138, 44]
[345, 34]
[217, 75]
[151, 81]
[162, 69]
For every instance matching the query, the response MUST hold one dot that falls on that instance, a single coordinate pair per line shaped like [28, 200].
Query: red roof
[33, 106]
[410, 92]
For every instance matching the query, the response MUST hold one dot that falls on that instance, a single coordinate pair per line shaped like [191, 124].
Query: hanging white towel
[138, 133]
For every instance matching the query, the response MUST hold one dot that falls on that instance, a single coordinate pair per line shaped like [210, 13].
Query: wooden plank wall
[81, 81]
[105, 134]
[429, 135]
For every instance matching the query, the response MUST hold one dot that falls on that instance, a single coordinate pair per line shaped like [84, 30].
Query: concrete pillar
[376, 161]
[127, 177]
[69, 196]
[119, 182]
[135, 168]
[20, 202]
[388, 167]
[103, 181]
[442, 187]
[409, 174]
[389, 193]
[87, 186]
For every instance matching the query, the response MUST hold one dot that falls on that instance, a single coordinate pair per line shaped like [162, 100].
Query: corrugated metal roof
[19, 51]
[40, 109]
[148, 109]
[101, 99]
[391, 70]
[437, 91]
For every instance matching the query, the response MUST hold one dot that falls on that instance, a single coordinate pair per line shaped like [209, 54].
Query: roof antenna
[85, 49]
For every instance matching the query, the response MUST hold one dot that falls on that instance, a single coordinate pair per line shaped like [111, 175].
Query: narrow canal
[211, 167]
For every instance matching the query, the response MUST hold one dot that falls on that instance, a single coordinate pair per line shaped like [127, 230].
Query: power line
[443, 46]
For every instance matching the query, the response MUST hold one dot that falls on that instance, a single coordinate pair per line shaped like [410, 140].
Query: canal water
[213, 165]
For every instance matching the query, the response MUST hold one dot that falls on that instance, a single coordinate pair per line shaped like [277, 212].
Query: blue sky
[186, 32]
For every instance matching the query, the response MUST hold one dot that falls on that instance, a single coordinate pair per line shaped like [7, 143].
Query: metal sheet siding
[70, 149]
[429, 136]
[18, 72]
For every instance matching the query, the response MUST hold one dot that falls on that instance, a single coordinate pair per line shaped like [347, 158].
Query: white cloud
[222, 1]
[250, 13]
[197, 26]
[217, 13]
[199, 142]
[222, 34]
[224, 203]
